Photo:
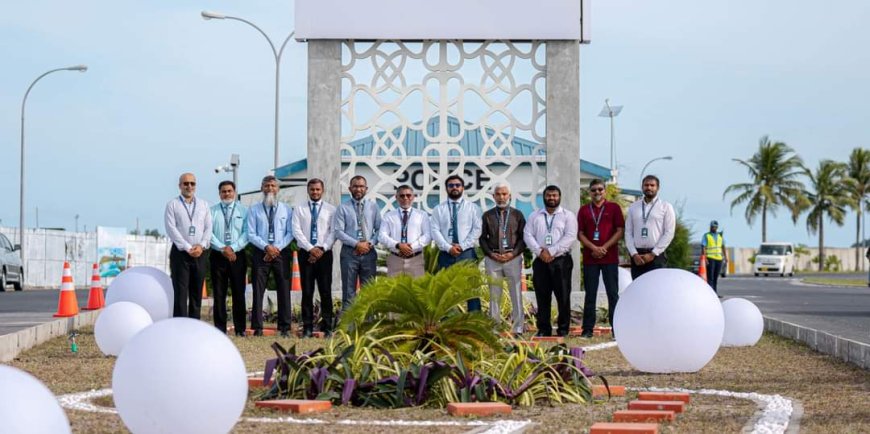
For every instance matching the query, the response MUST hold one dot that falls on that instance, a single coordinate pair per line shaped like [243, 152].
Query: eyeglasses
[189, 183]
[405, 195]
[454, 185]
[596, 189]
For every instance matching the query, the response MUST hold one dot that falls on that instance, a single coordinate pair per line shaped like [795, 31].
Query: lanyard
[270, 215]
[549, 222]
[598, 218]
[643, 213]
[503, 225]
[190, 213]
[228, 220]
[359, 209]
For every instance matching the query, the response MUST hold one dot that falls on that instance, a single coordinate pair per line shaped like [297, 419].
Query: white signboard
[442, 19]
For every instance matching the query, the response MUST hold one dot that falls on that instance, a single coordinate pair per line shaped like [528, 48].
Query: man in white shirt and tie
[356, 224]
[456, 226]
[312, 229]
[405, 232]
[549, 234]
[188, 226]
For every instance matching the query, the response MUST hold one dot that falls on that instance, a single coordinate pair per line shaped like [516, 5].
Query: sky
[167, 92]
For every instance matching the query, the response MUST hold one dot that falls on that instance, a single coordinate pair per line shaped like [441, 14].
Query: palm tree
[774, 171]
[859, 173]
[829, 198]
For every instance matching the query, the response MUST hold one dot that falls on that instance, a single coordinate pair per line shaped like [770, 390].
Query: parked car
[774, 258]
[696, 261]
[11, 269]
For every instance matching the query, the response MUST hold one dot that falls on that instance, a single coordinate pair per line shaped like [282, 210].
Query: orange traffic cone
[295, 277]
[95, 298]
[702, 268]
[524, 286]
[204, 292]
[67, 305]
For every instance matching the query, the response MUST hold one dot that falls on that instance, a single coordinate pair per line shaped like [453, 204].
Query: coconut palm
[774, 173]
[859, 173]
[829, 198]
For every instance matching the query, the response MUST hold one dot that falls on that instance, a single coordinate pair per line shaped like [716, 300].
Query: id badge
[191, 230]
[227, 238]
[359, 235]
[548, 240]
[450, 232]
[644, 232]
[504, 243]
[595, 236]
[271, 237]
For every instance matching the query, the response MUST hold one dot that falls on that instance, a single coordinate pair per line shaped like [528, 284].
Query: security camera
[219, 169]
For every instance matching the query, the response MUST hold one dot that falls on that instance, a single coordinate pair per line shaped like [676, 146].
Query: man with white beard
[501, 239]
[270, 231]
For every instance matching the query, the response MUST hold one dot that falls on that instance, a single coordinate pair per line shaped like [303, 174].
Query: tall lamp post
[206, 15]
[611, 111]
[642, 171]
[80, 68]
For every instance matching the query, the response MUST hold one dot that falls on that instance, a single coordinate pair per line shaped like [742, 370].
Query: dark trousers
[353, 267]
[549, 280]
[260, 269]
[222, 272]
[188, 273]
[319, 273]
[446, 259]
[661, 261]
[610, 274]
[714, 268]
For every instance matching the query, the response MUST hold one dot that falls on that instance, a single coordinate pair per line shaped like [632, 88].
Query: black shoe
[518, 335]
[258, 332]
[307, 333]
[542, 335]
[586, 335]
[562, 334]
[240, 334]
[285, 334]
[327, 333]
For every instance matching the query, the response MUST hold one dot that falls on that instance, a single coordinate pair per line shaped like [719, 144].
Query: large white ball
[161, 276]
[27, 406]
[180, 375]
[668, 320]
[743, 323]
[144, 289]
[118, 323]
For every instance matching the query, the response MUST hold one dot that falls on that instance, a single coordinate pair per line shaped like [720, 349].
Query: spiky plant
[426, 310]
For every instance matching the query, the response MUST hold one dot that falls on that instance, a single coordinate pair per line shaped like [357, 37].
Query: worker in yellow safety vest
[713, 248]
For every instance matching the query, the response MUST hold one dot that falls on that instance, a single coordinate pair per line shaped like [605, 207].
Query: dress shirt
[468, 224]
[258, 226]
[180, 216]
[660, 225]
[238, 229]
[563, 231]
[345, 223]
[418, 233]
[302, 225]
[490, 236]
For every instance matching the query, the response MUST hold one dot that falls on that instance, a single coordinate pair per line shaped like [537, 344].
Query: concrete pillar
[563, 129]
[324, 124]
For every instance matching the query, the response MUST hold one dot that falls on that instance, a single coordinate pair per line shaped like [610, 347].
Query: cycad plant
[426, 311]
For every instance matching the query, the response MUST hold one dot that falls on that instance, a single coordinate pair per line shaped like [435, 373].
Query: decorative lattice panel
[415, 113]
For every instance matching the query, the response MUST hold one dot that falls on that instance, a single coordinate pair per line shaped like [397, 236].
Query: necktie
[405, 226]
[361, 217]
[455, 224]
[314, 223]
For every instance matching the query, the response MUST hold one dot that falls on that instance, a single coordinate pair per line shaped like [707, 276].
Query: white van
[775, 258]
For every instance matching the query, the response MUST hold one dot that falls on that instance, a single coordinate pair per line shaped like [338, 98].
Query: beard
[553, 203]
[269, 199]
[227, 201]
[649, 194]
[454, 194]
[501, 205]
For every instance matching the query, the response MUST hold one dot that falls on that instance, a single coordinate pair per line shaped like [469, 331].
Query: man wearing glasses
[270, 231]
[456, 226]
[357, 223]
[228, 261]
[188, 226]
[405, 232]
[600, 225]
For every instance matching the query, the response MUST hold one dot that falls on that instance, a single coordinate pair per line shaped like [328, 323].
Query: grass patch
[835, 395]
[835, 282]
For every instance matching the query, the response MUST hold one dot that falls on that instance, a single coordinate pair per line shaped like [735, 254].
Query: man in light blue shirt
[456, 226]
[356, 225]
[228, 261]
[270, 231]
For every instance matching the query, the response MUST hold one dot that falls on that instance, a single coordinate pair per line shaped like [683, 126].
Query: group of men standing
[456, 226]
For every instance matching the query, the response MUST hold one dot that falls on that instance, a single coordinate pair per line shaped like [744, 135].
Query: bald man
[188, 226]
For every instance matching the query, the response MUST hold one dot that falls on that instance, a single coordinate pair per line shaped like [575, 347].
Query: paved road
[22, 309]
[838, 310]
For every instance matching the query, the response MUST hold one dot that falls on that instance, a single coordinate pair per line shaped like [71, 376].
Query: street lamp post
[642, 171]
[80, 68]
[611, 112]
[206, 15]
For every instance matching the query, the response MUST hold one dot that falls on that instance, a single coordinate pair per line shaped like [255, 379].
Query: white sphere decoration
[27, 405]
[118, 323]
[743, 323]
[668, 320]
[180, 375]
[162, 277]
[142, 289]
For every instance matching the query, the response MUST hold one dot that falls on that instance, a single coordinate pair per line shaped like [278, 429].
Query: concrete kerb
[857, 353]
[14, 343]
